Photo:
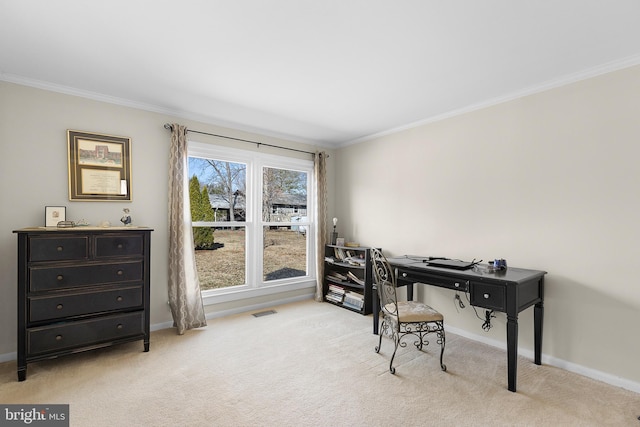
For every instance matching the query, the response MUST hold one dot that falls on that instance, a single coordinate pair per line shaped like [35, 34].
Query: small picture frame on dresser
[54, 214]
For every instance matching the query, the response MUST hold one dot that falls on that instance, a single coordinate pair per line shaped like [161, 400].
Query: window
[252, 215]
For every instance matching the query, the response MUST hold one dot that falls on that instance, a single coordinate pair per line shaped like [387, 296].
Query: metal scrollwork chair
[403, 318]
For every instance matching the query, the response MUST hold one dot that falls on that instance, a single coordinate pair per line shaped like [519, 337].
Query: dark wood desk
[509, 291]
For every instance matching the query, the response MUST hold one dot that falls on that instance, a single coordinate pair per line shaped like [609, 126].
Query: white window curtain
[185, 299]
[320, 162]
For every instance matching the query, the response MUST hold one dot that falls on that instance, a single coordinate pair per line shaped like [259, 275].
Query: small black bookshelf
[348, 277]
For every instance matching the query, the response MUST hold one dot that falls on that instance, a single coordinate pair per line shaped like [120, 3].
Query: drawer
[58, 248]
[119, 245]
[489, 296]
[411, 277]
[84, 333]
[61, 277]
[76, 304]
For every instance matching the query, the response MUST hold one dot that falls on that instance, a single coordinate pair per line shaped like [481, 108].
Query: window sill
[240, 293]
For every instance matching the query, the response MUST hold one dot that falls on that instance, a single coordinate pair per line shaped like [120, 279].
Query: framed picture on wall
[54, 214]
[99, 166]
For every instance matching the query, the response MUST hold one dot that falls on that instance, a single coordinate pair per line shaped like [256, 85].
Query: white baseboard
[553, 361]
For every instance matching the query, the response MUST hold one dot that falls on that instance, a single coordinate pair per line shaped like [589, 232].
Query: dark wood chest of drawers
[81, 289]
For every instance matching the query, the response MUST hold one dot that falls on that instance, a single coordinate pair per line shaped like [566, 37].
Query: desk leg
[376, 311]
[538, 314]
[512, 351]
[410, 292]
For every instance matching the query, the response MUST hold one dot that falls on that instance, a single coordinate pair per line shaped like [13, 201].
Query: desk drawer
[76, 304]
[66, 336]
[408, 277]
[489, 296]
[61, 277]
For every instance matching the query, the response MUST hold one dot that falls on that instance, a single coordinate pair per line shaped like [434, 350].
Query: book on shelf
[346, 304]
[355, 278]
[339, 254]
[337, 276]
[335, 293]
[355, 295]
[353, 300]
[336, 289]
[354, 260]
[334, 297]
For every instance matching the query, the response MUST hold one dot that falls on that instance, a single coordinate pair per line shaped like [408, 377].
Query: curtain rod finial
[168, 126]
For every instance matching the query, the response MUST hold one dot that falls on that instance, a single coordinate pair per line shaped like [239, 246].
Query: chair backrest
[385, 282]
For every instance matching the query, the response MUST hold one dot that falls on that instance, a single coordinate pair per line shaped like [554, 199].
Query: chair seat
[413, 311]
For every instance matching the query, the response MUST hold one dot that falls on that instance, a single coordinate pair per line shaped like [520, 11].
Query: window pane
[220, 186]
[285, 253]
[220, 256]
[284, 195]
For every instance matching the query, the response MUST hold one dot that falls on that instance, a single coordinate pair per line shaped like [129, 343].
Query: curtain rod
[169, 127]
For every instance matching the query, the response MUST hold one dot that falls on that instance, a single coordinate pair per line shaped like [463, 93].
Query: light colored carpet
[310, 364]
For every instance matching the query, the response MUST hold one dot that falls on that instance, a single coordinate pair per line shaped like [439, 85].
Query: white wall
[549, 181]
[33, 172]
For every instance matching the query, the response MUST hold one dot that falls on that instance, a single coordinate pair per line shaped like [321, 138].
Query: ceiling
[329, 72]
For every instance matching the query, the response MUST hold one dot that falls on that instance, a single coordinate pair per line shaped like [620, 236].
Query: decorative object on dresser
[347, 278]
[54, 214]
[80, 289]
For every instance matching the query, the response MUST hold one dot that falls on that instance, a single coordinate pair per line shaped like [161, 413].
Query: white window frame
[255, 161]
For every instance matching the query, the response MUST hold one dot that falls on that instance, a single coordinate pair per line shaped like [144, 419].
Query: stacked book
[336, 277]
[353, 300]
[335, 294]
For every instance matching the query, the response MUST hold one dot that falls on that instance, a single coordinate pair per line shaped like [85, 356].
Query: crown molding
[551, 84]
[124, 102]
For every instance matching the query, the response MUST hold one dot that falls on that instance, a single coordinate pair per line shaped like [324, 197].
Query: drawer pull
[59, 306]
[58, 337]
[60, 248]
[457, 285]
[120, 246]
[404, 274]
[119, 326]
[59, 277]
[120, 273]
[119, 299]
[486, 296]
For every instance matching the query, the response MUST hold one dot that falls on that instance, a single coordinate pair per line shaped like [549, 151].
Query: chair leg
[396, 339]
[381, 331]
[441, 338]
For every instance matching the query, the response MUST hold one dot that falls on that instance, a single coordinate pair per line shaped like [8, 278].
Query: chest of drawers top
[82, 243]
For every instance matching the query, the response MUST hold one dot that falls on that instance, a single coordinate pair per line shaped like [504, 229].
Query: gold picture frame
[99, 167]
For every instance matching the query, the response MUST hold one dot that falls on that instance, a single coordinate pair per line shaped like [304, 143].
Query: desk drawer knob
[59, 306]
[404, 274]
[58, 337]
[119, 326]
[120, 273]
[59, 277]
[119, 299]
[486, 296]
[457, 285]
[59, 248]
